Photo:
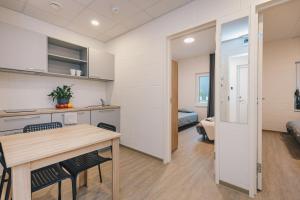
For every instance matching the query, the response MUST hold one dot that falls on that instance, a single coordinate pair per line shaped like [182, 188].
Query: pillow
[183, 110]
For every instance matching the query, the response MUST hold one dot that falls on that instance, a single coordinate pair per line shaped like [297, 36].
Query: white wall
[26, 91]
[141, 86]
[279, 83]
[187, 70]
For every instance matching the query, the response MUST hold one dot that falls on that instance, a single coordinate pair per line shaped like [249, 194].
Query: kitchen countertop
[54, 110]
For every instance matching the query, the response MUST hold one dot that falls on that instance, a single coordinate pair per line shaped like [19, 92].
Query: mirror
[234, 71]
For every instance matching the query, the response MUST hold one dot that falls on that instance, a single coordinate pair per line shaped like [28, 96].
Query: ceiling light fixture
[189, 40]
[55, 5]
[95, 22]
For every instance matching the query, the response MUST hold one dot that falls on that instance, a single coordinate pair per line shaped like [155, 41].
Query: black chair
[107, 126]
[84, 162]
[4, 180]
[40, 178]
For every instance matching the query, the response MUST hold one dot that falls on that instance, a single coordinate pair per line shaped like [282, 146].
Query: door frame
[168, 92]
[259, 8]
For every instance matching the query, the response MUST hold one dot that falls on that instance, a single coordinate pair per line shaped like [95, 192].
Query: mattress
[185, 118]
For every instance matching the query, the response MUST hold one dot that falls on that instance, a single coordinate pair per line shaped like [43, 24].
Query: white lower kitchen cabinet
[111, 117]
[11, 125]
[83, 117]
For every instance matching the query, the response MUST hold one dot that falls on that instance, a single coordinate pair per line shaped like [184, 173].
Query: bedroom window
[202, 89]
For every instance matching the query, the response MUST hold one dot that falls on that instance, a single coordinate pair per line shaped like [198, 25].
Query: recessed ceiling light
[95, 22]
[189, 40]
[55, 5]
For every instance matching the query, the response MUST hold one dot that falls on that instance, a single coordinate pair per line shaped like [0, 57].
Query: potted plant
[297, 99]
[61, 94]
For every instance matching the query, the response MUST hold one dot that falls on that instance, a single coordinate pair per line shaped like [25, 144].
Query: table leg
[116, 172]
[82, 179]
[21, 182]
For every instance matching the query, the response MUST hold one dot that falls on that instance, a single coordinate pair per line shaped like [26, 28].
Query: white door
[232, 133]
[242, 92]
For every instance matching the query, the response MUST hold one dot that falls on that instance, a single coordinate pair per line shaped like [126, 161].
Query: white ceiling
[282, 21]
[205, 43]
[77, 14]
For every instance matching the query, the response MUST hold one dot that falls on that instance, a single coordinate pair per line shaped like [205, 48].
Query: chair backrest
[107, 126]
[2, 159]
[40, 127]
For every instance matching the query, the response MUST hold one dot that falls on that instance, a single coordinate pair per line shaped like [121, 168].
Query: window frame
[197, 80]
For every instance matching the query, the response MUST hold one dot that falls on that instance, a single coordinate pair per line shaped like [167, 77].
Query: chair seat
[83, 162]
[46, 176]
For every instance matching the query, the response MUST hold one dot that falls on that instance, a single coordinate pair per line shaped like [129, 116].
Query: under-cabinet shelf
[65, 59]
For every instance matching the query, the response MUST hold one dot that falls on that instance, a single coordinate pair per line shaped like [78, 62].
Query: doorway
[192, 56]
[279, 52]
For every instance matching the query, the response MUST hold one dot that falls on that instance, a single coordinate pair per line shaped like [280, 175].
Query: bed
[293, 128]
[186, 119]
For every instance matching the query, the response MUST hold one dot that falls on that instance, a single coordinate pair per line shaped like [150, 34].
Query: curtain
[211, 97]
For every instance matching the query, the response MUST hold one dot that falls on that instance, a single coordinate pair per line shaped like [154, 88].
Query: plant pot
[63, 101]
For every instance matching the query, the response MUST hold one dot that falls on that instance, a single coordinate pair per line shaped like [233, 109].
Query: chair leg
[2, 181]
[59, 190]
[74, 187]
[7, 193]
[100, 175]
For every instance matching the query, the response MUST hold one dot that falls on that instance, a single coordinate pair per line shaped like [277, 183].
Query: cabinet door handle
[35, 69]
[96, 77]
[20, 118]
[106, 110]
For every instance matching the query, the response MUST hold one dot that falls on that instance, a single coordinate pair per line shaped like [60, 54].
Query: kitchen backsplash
[18, 91]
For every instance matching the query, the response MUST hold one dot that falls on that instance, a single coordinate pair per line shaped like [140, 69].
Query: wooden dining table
[26, 152]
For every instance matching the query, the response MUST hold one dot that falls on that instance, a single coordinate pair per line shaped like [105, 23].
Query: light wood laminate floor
[190, 175]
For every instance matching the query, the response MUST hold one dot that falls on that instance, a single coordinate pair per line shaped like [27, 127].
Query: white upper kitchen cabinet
[101, 64]
[22, 49]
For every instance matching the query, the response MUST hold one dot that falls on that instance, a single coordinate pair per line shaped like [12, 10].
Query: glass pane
[203, 89]
[234, 71]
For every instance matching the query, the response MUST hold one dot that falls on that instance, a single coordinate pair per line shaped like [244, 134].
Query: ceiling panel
[116, 30]
[165, 6]
[32, 11]
[143, 4]
[104, 7]
[16, 5]
[137, 20]
[103, 37]
[69, 8]
[204, 44]
[82, 23]
[84, 2]
[77, 14]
